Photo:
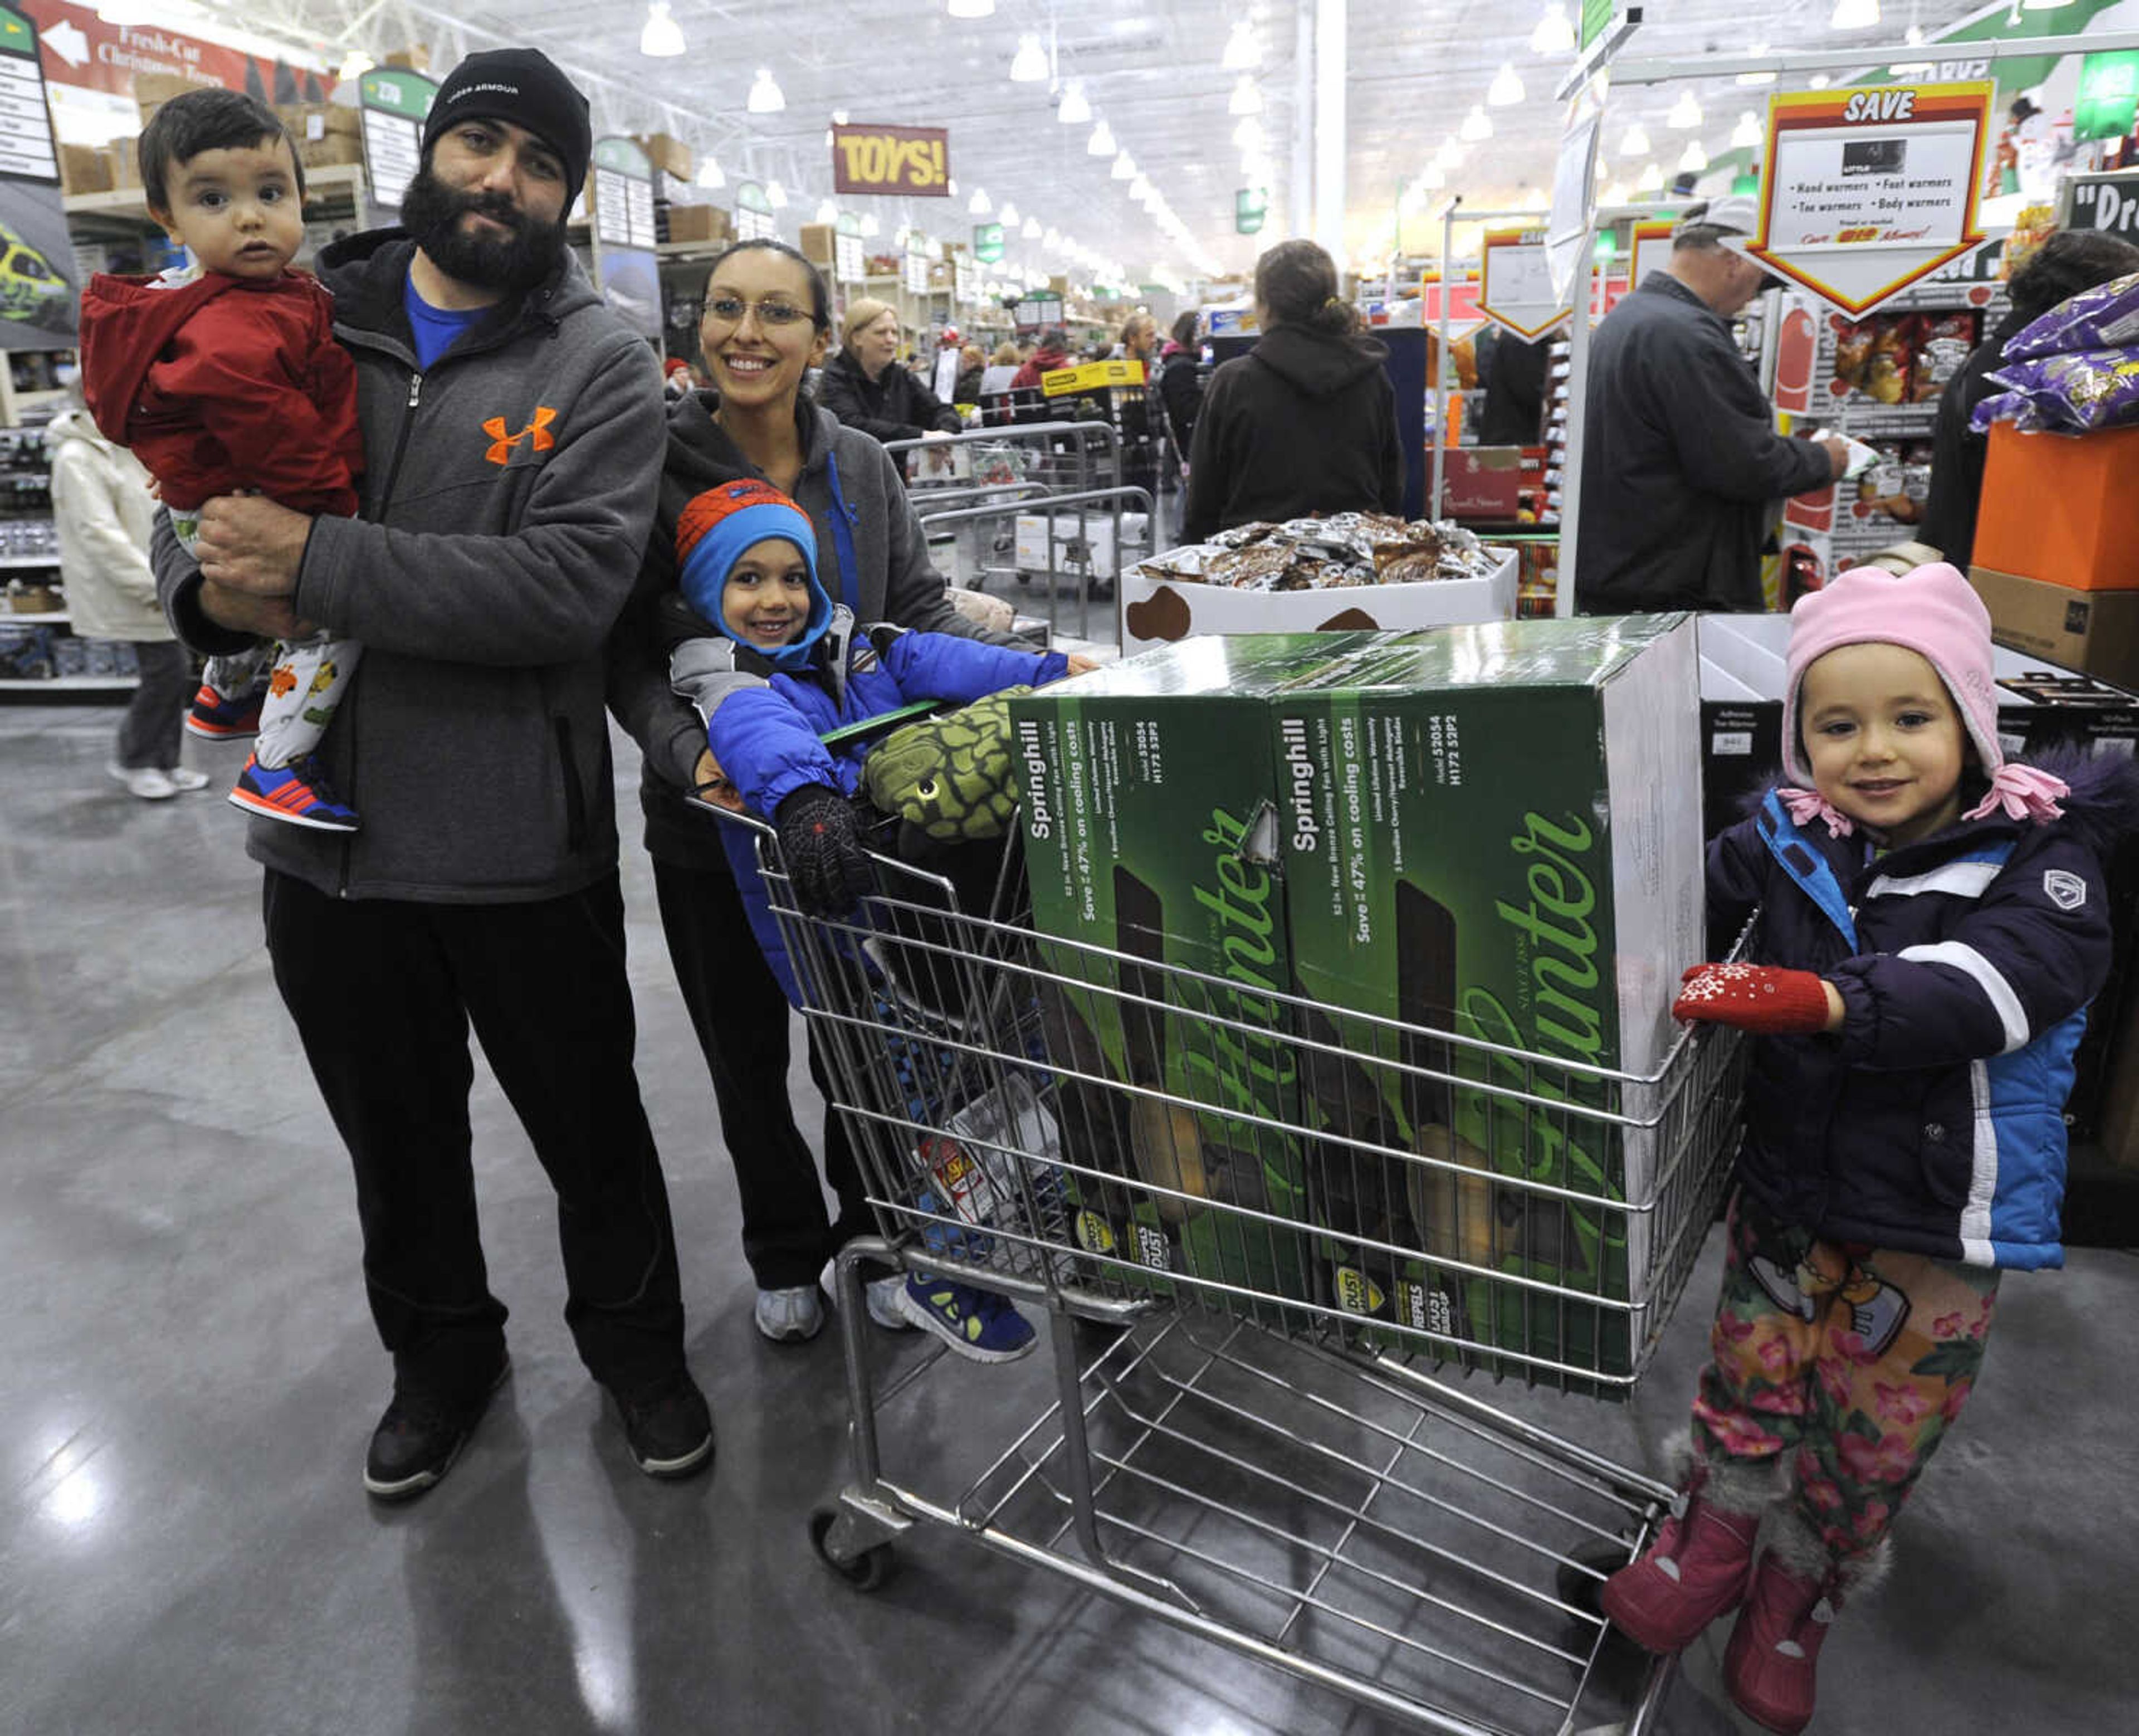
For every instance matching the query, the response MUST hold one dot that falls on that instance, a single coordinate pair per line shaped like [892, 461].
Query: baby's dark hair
[209, 119]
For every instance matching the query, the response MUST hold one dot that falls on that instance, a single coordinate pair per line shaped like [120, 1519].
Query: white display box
[1160, 611]
[1085, 545]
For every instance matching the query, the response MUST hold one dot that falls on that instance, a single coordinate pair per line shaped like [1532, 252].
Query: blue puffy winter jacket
[1933, 1120]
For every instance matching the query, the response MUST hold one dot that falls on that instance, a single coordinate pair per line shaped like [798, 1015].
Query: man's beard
[432, 212]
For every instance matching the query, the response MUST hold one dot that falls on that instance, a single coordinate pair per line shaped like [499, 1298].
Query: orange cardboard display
[2062, 508]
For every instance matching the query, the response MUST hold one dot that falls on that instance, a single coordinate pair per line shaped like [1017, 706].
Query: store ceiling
[1151, 68]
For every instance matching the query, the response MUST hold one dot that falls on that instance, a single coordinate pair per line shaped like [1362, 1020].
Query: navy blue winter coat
[1933, 1120]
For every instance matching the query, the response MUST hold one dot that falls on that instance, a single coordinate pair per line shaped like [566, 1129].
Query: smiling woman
[865, 388]
[766, 323]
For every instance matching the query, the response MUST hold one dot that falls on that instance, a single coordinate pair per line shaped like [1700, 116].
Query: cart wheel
[867, 1572]
[1577, 1589]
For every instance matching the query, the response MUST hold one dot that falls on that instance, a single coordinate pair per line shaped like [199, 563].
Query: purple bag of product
[2105, 317]
[2073, 394]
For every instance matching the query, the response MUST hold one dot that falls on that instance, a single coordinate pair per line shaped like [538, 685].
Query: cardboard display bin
[2063, 508]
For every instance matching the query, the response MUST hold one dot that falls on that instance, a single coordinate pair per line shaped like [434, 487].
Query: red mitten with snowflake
[1760, 997]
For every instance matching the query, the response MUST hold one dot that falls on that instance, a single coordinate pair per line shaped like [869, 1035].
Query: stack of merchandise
[1317, 554]
[1902, 358]
[2075, 369]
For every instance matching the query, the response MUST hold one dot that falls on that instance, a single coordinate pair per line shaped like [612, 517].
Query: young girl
[1934, 924]
[773, 666]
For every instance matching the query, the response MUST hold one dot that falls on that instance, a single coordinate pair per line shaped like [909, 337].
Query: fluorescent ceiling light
[1757, 78]
[1249, 134]
[1451, 154]
[662, 36]
[2043, 5]
[1506, 89]
[355, 64]
[1101, 144]
[827, 211]
[1854, 15]
[1635, 142]
[1685, 113]
[1555, 33]
[980, 204]
[1748, 133]
[871, 228]
[1431, 178]
[766, 97]
[1614, 195]
[1124, 168]
[709, 174]
[1244, 49]
[1031, 230]
[1651, 179]
[970, 9]
[1052, 241]
[1246, 99]
[1695, 161]
[1074, 110]
[1029, 65]
[776, 195]
[1476, 126]
[1008, 214]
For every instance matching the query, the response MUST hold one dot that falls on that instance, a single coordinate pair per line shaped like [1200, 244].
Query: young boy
[225, 378]
[777, 668]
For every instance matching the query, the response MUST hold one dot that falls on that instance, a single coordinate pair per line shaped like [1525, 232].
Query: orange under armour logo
[501, 443]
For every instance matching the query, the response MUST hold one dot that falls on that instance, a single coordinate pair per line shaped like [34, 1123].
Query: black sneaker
[670, 1429]
[420, 1436]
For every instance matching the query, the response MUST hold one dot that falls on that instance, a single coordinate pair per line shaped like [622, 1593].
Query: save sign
[912, 160]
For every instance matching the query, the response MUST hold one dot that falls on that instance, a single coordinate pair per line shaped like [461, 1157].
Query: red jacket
[224, 384]
[1044, 361]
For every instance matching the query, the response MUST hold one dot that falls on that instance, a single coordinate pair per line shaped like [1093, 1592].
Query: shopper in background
[2069, 261]
[1515, 378]
[1180, 382]
[970, 370]
[1680, 462]
[103, 513]
[1935, 919]
[1139, 340]
[1306, 421]
[865, 388]
[1051, 352]
[512, 427]
[1001, 370]
[768, 320]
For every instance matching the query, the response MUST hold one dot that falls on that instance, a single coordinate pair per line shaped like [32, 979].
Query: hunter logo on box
[1495, 833]
[1151, 830]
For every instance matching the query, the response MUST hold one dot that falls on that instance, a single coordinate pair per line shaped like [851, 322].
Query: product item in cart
[1493, 832]
[2104, 317]
[1150, 832]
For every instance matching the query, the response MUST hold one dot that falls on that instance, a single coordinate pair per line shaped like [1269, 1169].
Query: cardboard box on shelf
[1158, 611]
[1481, 482]
[820, 243]
[2096, 631]
[1150, 782]
[1494, 832]
[330, 150]
[318, 120]
[416, 57]
[83, 169]
[2063, 508]
[125, 157]
[700, 224]
[151, 88]
[671, 156]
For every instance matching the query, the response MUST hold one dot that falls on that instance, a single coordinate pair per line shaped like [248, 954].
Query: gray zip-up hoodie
[871, 554]
[507, 499]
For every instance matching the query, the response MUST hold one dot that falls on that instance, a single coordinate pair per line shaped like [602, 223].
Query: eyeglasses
[729, 310]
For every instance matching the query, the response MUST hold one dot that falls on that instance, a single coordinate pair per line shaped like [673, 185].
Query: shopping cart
[1250, 1457]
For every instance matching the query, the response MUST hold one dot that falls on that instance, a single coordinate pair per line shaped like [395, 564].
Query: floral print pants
[1853, 1363]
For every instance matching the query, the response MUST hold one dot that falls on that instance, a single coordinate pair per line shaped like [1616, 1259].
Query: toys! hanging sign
[1866, 191]
[914, 161]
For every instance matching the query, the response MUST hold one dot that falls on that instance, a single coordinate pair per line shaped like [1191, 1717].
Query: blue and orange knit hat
[715, 529]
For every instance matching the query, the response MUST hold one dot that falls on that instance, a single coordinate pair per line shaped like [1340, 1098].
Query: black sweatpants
[384, 993]
[740, 1017]
[149, 734]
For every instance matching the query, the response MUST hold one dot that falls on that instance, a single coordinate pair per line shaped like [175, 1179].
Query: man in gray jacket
[512, 433]
[1681, 461]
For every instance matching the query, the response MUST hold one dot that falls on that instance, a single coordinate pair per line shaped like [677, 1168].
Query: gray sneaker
[883, 1305]
[791, 1316]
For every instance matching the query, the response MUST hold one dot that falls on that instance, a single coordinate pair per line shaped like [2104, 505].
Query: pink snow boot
[1701, 1561]
[1772, 1663]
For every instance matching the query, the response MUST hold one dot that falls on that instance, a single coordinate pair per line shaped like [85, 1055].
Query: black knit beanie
[524, 86]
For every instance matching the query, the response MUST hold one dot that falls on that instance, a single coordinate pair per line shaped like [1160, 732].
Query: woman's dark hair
[209, 119]
[1184, 329]
[2070, 261]
[820, 298]
[1296, 283]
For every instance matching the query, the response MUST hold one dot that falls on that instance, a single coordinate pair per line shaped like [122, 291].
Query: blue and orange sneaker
[976, 1323]
[218, 717]
[296, 794]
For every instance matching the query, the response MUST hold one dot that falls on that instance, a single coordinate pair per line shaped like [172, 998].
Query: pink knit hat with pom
[1934, 612]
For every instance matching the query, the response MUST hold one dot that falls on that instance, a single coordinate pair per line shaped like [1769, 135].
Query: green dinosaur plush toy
[953, 777]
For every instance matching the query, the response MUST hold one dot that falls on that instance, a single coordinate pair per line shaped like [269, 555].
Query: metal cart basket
[1245, 1439]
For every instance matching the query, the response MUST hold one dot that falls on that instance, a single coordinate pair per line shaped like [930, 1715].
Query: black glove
[822, 846]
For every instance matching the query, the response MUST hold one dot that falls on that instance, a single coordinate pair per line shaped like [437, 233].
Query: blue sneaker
[296, 794]
[975, 1323]
[217, 717]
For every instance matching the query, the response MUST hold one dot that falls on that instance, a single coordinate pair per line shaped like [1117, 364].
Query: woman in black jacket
[865, 388]
[1305, 422]
[2070, 261]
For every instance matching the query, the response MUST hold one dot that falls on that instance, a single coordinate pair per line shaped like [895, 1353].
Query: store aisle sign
[2109, 203]
[916, 262]
[391, 104]
[1653, 248]
[1865, 191]
[1514, 287]
[81, 49]
[914, 161]
[988, 242]
[26, 150]
[753, 219]
[2108, 104]
[848, 264]
[1250, 207]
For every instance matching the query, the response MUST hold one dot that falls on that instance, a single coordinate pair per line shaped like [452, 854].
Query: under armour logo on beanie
[523, 86]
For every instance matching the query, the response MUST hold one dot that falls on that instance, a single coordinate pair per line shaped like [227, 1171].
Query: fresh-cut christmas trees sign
[1865, 191]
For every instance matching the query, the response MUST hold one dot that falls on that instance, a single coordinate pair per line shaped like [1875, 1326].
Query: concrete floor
[188, 1377]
